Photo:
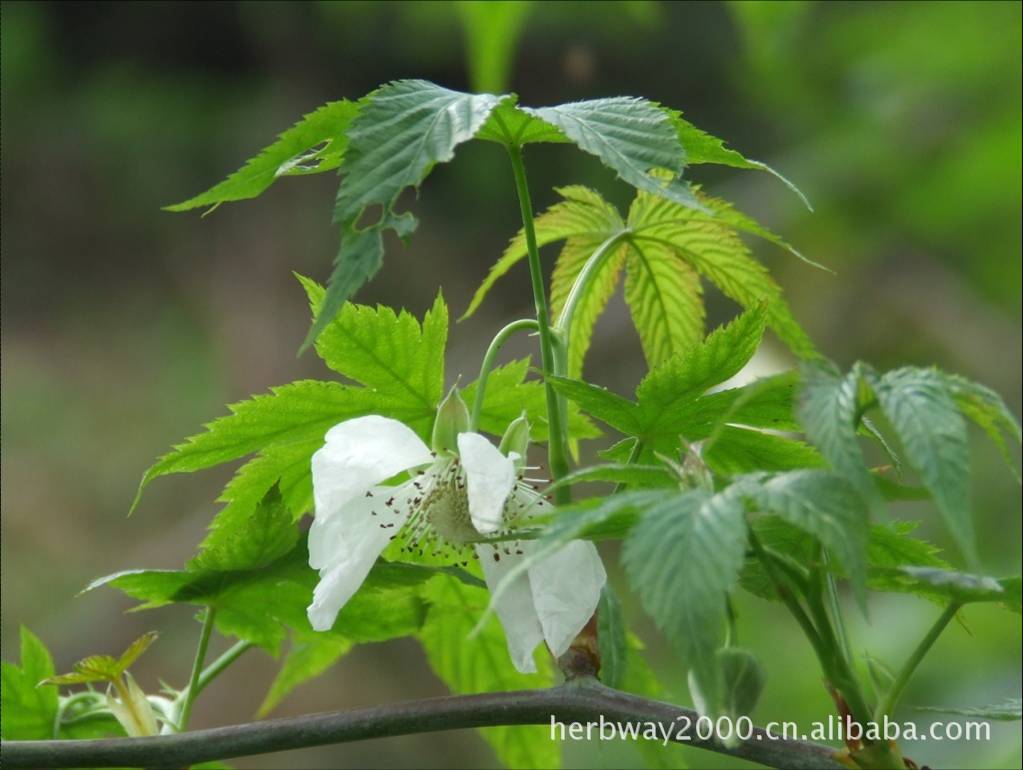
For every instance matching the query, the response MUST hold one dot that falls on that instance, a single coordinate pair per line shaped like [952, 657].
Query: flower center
[446, 509]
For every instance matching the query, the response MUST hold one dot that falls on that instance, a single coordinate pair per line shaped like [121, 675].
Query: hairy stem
[200, 657]
[891, 698]
[583, 700]
[556, 454]
[500, 338]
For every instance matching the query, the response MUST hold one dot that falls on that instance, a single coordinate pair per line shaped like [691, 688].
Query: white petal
[514, 608]
[344, 548]
[360, 453]
[490, 477]
[566, 588]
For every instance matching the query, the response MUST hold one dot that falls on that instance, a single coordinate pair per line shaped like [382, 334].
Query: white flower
[448, 503]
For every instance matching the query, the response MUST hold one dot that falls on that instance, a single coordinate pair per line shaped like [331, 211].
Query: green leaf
[824, 505]
[1009, 710]
[632, 474]
[989, 412]
[933, 433]
[665, 299]
[313, 145]
[738, 450]
[28, 710]
[666, 390]
[829, 409]
[402, 131]
[300, 412]
[620, 413]
[765, 403]
[683, 559]
[105, 668]
[135, 650]
[480, 664]
[701, 147]
[387, 351]
[583, 217]
[630, 136]
[611, 638]
[710, 244]
[509, 394]
[307, 659]
[742, 681]
[258, 605]
[242, 541]
[954, 586]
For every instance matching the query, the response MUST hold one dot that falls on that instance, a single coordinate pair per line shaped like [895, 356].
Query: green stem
[216, 668]
[836, 609]
[200, 656]
[556, 454]
[582, 282]
[891, 699]
[488, 363]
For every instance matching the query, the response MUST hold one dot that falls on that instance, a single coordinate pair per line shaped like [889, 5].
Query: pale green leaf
[582, 216]
[961, 587]
[481, 664]
[710, 244]
[314, 144]
[665, 299]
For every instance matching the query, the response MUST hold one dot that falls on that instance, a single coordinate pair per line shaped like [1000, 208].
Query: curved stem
[200, 656]
[891, 698]
[488, 363]
[556, 453]
[216, 668]
[584, 279]
[583, 700]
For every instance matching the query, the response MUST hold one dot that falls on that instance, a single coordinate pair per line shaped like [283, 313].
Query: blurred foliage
[123, 326]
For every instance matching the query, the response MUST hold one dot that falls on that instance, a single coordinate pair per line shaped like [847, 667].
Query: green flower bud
[452, 419]
[516, 439]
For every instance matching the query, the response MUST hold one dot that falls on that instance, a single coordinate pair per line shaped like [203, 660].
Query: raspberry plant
[711, 490]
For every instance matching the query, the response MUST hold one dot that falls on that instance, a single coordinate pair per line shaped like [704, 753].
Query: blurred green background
[124, 328]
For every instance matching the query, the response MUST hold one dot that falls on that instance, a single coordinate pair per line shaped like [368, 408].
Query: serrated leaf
[664, 392]
[710, 244]
[509, 394]
[630, 136]
[824, 505]
[1009, 710]
[961, 587]
[829, 409]
[933, 433]
[989, 412]
[28, 710]
[665, 299]
[307, 659]
[702, 147]
[313, 145]
[618, 412]
[480, 664]
[299, 412]
[258, 605]
[135, 650]
[768, 402]
[402, 131]
[683, 559]
[633, 474]
[736, 450]
[582, 216]
[239, 540]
